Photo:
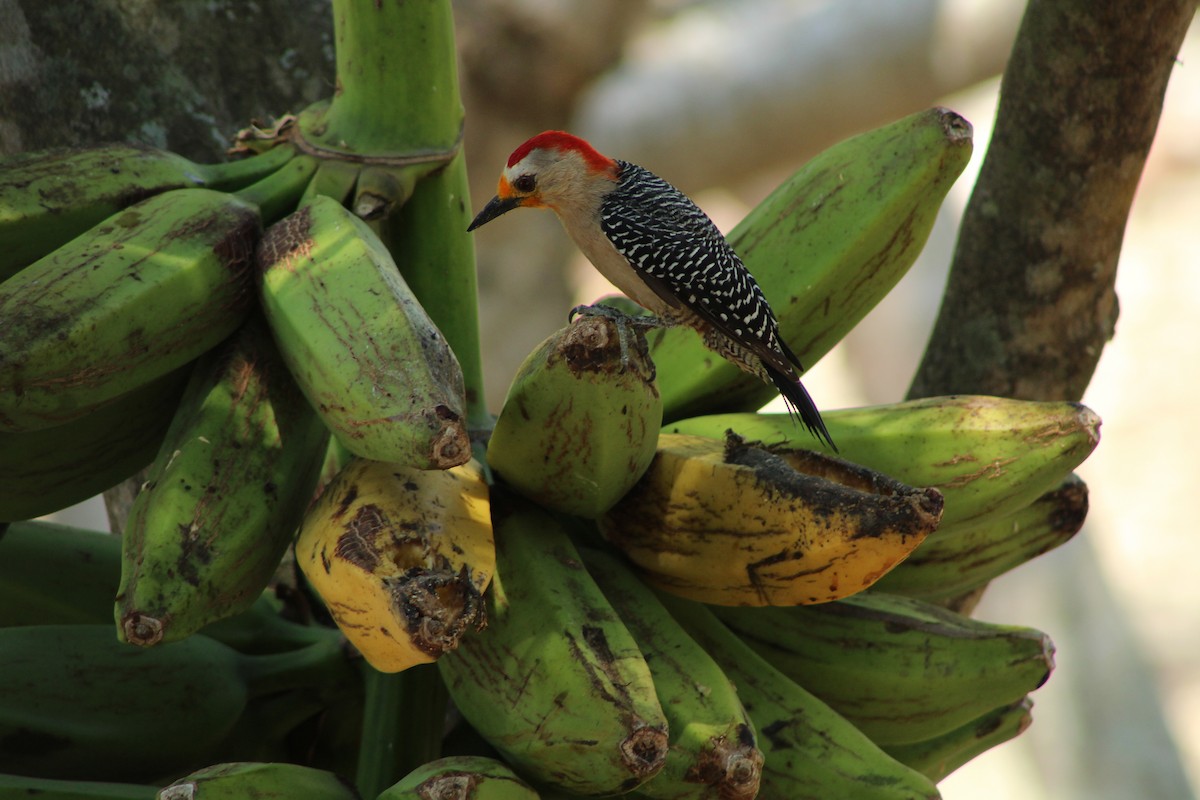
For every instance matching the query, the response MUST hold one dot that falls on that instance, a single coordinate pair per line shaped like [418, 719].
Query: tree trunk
[1030, 302]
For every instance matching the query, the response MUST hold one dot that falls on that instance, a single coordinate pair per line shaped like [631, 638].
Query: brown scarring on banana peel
[401, 557]
[737, 523]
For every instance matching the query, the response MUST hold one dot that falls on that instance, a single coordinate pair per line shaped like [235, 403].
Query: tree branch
[1030, 301]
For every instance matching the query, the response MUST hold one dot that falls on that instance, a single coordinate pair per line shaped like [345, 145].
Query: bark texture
[1030, 301]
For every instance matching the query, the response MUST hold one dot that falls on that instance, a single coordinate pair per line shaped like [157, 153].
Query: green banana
[52, 574]
[48, 469]
[369, 360]
[955, 561]
[261, 781]
[809, 750]
[224, 496]
[900, 669]
[988, 456]
[15, 786]
[713, 746]
[556, 683]
[825, 247]
[461, 778]
[580, 423]
[79, 702]
[938, 757]
[49, 197]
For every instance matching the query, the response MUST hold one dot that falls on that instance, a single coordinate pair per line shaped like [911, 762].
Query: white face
[557, 179]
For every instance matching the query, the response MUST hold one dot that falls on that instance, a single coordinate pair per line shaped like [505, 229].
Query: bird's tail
[800, 404]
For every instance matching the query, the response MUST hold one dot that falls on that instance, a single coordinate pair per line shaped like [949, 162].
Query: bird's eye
[524, 183]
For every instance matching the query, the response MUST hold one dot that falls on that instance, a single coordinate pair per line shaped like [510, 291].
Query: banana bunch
[401, 557]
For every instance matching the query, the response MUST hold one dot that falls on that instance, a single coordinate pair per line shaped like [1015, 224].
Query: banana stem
[277, 194]
[321, 666]
[397, 80]
[231, 175]
[402, 725]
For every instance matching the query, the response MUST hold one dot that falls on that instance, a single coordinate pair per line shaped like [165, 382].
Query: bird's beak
[495, 207]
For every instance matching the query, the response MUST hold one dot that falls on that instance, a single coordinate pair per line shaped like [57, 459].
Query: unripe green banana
[20, 786]
[81, 703]
[49, 197]
[713, 747]
[137, 296]
[900, 669]
[810, 751]
[581, 420]
[556, 683]
[52, 574]
[956, 561]
[261, 781]
[988, 456]
[938, 757]
[48, 469]
[733, 523]
[222, 500]
[357, 341]
[825, 247]
[134, 298]
[461, 778]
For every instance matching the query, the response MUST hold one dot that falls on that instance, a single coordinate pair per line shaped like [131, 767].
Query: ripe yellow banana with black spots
[810, 752]
[49, 197]
[401, 557]
[825, 247]
[732, 523]
[581, 420]
[714, 752]
[556, 683]
[48, 469]
[360, 346]
[139, 295]
[900, 669]
[937, 757]
[956, 561]
[988, 456]
[461, 778]
[222, 500]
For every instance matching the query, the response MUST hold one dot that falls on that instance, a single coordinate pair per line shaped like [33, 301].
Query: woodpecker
[655, 245]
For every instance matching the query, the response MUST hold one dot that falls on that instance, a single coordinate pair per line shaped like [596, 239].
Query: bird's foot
[630, 331]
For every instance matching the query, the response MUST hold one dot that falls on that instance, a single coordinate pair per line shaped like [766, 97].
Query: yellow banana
[401, 557]
[988, 456]
[359, 344]
[580, 423]
[735, 524]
